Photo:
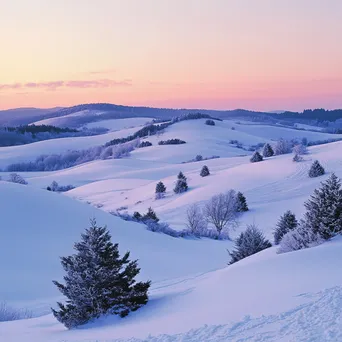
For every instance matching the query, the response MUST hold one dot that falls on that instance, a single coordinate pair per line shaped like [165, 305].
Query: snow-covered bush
[316, 170]
[267, 151]
[210, 122]
[299, 238]
[282, 147]
[300, 149]
[8, 313]
[196, 222]
[256, 157]
[59, 188]
[199, 157]
[172, 142]
[286, 223]
[160, 190]
[205, 171]
[297, 158]
[324, 208]
[249, 242]
[145, 144]
[241, 202]
[150, 216]
[221, 211]
[15, 178]
[98, 281]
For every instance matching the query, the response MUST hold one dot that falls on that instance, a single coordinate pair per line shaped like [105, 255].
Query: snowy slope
[118, 124]
[50, 223]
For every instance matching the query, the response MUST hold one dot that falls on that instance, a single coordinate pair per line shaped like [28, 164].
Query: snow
[195, 296]
[118, 124]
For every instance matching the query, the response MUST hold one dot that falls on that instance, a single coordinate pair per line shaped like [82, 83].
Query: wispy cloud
[54, 85]
[102, 72]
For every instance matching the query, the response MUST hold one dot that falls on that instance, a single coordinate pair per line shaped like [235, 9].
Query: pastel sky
[220, 54]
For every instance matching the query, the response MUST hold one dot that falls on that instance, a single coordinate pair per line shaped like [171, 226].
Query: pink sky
[224, 54]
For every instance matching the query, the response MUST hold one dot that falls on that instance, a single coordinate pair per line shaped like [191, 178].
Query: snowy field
[295, 296]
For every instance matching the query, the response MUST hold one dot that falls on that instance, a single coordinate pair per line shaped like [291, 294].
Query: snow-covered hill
[195, 296]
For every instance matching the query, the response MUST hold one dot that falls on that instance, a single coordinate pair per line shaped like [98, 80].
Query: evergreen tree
[316, 169]
[150, 215]
[160, 190]
[286, 223]
[137, 216]
[241, 202]
[324, 209]
[98, 281]
[248, 243]
[205, 171]
[257, 157]
[181, 176]
[181, 186]
[267, 150]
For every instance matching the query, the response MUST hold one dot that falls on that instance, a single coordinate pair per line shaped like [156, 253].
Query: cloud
[102, 72]
[54, 85]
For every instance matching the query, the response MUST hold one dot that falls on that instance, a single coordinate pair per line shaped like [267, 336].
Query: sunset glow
[224, 54]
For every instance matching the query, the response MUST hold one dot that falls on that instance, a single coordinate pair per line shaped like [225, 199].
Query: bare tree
[221, 210]
[196, 221]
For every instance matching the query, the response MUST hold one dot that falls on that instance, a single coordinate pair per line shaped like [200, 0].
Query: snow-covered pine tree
[248, 243]
[256, 157]
[150, 215]
[181, 176]
[160, 190]
[137, 216]
[205, 171]
[241, 202]
[181, 184]
[316, 169]
[282, 147]
[98, 281]
[300, 149]
[286, 223]
[324, 208]
[267, 150]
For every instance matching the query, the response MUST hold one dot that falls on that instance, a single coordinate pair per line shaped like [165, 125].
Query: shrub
[299, 238]
[210, 122]
[267, 151]
[316, 169]
[8, 313]
[59, 188]
[300, 149]
[98, 281]
[248, 243]
[205, 171]
[198, 158]
[221, 210]
[257, 157]
[15, 178]
[297, 158]
[137, 216]
[241, 202]
[286, 223]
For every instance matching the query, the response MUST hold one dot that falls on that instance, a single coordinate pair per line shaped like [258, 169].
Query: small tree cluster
[171, 142]
[160, 190]
[256, 157]
[300, 149]
[322, 220]
[15, 178]
[267, 151]
[59, 188]
[181, 184]
[98, 281]
[249, 242]
[205, 171]
[316, 170]
[210, 122]
[145, 144]
[286, 223]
